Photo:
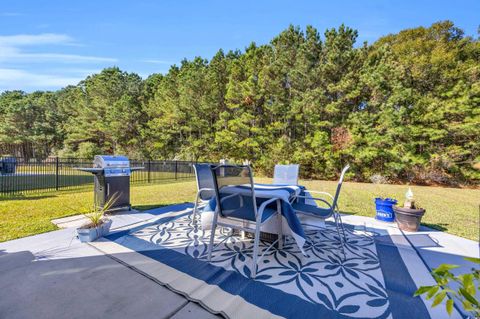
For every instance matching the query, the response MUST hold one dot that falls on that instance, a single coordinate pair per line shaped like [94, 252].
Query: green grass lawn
[449, 209]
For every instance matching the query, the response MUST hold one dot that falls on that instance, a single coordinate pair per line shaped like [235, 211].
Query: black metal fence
[18, 175]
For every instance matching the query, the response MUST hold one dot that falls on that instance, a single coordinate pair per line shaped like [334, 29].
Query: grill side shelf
[89, 169]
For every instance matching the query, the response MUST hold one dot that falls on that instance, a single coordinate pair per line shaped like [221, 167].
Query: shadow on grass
[26, 197]
[153, 206]
[147, 207]
[348, 213]
[440, 226]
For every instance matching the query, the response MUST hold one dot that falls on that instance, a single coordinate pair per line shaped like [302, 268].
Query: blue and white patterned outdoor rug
[372, 282]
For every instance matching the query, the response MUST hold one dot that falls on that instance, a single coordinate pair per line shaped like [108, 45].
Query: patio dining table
[290, 223]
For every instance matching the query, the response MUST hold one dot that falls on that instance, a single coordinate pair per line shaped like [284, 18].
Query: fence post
[222, 169]
[176, 169]
[56, 173]
[149, 170]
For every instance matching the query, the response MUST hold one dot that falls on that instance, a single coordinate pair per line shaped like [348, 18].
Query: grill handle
[108, 189]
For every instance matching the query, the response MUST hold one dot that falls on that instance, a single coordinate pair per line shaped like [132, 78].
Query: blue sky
[45, 45]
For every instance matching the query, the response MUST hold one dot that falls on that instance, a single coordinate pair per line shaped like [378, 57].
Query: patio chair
[237, 206]
[324, 213]
[286, 174]
[205, 186]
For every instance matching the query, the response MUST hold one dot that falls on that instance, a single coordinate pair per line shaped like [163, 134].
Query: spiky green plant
[97, 214]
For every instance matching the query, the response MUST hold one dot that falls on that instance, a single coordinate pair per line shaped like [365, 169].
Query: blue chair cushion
[205, 180]
[312, 210]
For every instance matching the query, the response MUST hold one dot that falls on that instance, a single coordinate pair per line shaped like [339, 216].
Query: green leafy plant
[385, 196]
[468, 285]
[97, 214]
[416, 205]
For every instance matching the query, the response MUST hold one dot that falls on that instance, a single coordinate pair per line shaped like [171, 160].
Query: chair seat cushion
[312, 210]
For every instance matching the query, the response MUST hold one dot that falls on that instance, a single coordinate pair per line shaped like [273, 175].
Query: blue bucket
[384, 208]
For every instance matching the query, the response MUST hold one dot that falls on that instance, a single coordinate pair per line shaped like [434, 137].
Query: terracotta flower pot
[408, 219]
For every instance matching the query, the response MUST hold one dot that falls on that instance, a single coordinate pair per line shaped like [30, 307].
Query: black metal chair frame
[258, 211]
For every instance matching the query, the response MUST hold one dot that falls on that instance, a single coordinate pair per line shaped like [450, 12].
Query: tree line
[406, 107]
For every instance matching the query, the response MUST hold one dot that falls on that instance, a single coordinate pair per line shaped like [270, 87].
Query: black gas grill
[8, 165]
[112, 180]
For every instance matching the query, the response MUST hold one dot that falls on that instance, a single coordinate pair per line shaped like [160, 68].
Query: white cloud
[11, 49]
[34, 39]
[35, 62]
[16, 55]
[17, 79]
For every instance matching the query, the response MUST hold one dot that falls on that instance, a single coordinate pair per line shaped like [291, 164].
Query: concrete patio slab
[433, 246]
[70, 221]
[53, 275]
[121, 218]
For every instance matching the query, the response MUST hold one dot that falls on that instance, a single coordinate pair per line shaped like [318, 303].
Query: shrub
[378, 179]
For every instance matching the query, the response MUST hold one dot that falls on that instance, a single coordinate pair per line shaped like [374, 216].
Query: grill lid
[110, 165]
[111, 161]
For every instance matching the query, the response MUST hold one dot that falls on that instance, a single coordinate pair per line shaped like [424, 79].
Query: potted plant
[409, 216]
[98, 224]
